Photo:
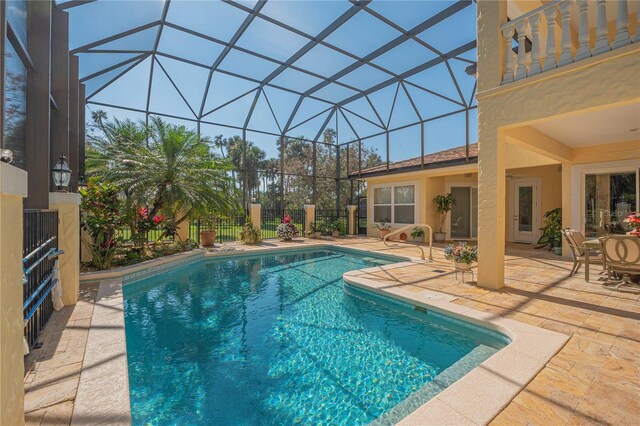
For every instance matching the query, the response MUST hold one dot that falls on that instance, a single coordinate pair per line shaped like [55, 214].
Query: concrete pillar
[255, 213]
[182, 230]
[68, 206]
[491, 209]
[353, 220]
[309, 216]
[567, 199]
[13, 188]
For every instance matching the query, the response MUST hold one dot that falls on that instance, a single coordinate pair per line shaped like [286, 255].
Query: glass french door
[608, 199]
[464, 214]
[526, 216]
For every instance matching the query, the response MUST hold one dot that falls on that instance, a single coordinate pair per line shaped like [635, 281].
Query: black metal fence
[227, 228]
[271, 218]
[152, 236]
[39, 250]
[328, 220]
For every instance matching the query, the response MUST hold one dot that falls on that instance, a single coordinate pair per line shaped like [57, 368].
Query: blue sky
[362, 34]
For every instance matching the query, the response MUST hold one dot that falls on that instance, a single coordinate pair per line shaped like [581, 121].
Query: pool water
[279, 339]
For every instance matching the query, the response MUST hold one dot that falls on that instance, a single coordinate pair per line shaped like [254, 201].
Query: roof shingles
[448, 157]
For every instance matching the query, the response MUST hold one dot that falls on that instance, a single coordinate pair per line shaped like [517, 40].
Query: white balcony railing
[538, 53]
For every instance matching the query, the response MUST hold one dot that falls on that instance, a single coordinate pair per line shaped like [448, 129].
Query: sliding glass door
[464, 214]
[608, 199]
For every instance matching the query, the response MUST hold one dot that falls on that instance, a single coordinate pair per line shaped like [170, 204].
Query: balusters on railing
[559, 13]
[521, 71]
[534, 22]
[565, 15]
[584, 49]
[550, 61]
[602, 28]
[508, 53]
[622, 25]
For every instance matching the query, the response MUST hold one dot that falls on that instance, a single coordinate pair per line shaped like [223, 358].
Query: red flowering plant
[287, 230]
[145, 222]
[633, 220]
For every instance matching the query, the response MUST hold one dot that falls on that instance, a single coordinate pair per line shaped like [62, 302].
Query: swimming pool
[279, 339]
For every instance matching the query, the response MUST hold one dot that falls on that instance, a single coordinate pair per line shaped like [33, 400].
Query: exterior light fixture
[61, 173]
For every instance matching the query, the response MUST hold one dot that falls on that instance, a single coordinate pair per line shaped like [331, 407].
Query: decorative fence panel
[227, 227]
[40, 250]
[271, 218]
[327, 220]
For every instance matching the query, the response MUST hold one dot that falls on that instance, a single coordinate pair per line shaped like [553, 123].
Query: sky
[363, 33]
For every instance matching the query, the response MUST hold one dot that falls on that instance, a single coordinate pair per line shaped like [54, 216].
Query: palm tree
[169, 168]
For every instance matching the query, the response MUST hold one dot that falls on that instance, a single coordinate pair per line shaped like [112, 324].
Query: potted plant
[336, 228]
[462, 255]
[383, 227]
[443, 203]
[208, 236]
[552, 231]
[250, 234]
[418, 234]
[286, 230]
[315, 230]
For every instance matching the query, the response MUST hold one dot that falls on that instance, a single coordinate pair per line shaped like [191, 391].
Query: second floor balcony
[562, 32]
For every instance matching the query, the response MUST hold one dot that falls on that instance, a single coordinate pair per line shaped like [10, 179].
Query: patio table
[589, 245]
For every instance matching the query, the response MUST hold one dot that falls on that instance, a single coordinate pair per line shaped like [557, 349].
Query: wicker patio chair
[575, 240]
[622, 254]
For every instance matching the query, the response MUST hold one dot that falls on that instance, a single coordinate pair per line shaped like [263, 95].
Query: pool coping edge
[481, 394]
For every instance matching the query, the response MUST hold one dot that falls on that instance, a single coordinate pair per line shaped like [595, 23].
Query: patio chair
[575, 240]
[622, 254]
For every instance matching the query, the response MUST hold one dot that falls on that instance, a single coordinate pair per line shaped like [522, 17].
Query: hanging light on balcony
[61, 173]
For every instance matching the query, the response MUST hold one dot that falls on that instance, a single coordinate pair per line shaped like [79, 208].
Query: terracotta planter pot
[207, 238]
[336, 234]
[317, 234]
[384, 233]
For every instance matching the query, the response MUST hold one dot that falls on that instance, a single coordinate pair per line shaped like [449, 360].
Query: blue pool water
[279, 339]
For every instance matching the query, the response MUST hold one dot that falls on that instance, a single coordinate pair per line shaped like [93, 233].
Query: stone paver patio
[594, 379]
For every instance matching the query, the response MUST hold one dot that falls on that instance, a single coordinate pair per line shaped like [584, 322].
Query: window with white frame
[395, 204]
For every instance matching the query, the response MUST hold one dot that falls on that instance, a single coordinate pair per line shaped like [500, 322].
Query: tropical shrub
[461, 253]
[101, 219]
[287, 230]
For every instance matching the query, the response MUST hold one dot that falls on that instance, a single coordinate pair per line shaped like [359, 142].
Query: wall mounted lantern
[61, 173]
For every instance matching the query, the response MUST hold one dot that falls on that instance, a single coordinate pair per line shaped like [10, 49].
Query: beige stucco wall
[68, 206]
[13, 188]
[506, 112]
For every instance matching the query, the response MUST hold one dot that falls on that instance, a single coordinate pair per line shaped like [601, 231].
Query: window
[15, 105]
[394, 204]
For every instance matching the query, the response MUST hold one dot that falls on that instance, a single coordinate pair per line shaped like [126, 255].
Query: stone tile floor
[594, 379]
[53, 371]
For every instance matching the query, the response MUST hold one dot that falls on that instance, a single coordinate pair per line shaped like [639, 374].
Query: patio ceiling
[364, 68]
